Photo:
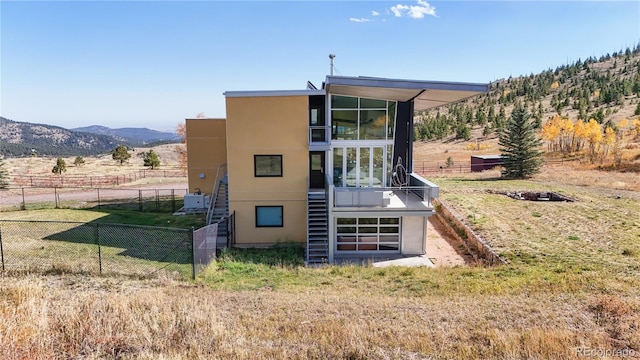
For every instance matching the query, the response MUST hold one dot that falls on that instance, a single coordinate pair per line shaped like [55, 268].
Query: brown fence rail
[153, 200]
[92, 181]
[95, 248]
[461, 167]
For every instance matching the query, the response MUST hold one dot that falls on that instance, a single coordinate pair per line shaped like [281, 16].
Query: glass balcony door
[360, 166]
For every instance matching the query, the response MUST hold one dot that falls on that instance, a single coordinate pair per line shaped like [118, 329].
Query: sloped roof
[425, 94]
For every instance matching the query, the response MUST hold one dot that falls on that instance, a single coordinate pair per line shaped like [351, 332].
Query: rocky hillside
[20, 139]
[606, 89]
[23, 139]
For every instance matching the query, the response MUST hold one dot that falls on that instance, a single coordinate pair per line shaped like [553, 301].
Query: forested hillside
[21, 139]
[605, 89]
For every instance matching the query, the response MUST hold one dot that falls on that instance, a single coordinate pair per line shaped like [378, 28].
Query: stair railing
[222, 171]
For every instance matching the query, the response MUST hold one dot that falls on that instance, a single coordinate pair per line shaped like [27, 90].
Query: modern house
[327, 167]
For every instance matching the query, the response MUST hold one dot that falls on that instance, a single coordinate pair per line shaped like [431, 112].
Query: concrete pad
[421, 260]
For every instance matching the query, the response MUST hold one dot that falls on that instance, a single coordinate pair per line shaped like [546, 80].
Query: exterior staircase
[219, 211]
[220, 206]
[317, 228]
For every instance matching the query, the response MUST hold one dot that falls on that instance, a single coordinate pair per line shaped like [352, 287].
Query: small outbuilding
[485, 162]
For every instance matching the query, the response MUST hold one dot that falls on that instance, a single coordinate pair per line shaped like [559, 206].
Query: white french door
[361, 165]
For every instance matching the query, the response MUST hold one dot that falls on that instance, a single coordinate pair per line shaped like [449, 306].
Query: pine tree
[79, 161]
[4, 176]
[60, 167]
[519, 146]
[151, 159]
[121, 154]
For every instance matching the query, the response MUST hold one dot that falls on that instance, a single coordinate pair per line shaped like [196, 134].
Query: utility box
[196, 202]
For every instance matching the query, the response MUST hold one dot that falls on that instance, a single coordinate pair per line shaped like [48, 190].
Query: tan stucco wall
[413, 235]
[206, 151]
[268, 125]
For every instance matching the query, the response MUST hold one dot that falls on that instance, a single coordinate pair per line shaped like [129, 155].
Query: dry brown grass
[94, 165]
[69, 317]
[573, 283]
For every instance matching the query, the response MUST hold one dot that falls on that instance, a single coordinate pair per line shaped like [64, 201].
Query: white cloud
[374, 13]
[414, 11]
[359, 20]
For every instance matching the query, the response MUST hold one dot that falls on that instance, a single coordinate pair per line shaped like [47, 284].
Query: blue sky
[154, 63]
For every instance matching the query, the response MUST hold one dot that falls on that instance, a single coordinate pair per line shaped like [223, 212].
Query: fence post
[140, 200]
[24, 205]
[98, 197]
[157, 200]
[55, 197]
[96, 236]
[193, 254]
[173, 201]
[1, 250]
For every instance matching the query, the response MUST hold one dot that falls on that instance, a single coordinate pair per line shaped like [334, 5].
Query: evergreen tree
[463, 132]
[519, 146]
[60, 167]
[121, 154]
[79, 161]
[486, 131]
[151, 159]
[4, 176]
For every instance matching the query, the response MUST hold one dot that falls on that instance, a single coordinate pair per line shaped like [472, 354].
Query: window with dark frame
[269, 216]
[267, 165]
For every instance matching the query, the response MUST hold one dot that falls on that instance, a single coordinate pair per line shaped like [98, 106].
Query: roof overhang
[425, 94]
[262, 93]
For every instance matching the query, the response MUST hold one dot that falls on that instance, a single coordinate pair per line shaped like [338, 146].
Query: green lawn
[67, 241]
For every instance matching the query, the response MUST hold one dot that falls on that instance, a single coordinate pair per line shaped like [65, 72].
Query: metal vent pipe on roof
[331, 57]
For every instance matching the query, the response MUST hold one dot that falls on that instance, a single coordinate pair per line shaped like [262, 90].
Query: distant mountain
[132, 136]
[21, 138]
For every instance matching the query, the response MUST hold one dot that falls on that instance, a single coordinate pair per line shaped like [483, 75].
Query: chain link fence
[208, 239]
[96, 248]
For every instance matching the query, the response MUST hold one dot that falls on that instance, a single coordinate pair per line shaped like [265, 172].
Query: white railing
[416, 196]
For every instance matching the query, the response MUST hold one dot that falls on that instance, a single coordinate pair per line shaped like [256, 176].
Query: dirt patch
[443, 249]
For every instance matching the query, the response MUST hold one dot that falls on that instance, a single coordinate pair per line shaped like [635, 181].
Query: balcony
[416, 197]
[319, 134]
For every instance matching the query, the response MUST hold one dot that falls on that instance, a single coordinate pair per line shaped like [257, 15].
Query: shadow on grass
[286, 254]
[149, 236]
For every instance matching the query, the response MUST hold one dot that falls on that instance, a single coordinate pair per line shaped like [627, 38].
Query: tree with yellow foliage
[636, 127]
[608, 140]
[566, 135]
[594, 137]
[551, 132]
[580, 134]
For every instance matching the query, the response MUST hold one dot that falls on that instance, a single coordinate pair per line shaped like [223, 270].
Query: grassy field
[93, 242]
[571, 289]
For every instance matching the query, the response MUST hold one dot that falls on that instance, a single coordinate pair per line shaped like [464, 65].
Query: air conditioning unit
[196, 202]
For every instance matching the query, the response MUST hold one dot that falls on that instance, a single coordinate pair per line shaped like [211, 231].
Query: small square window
[267, 165]
[269, 216]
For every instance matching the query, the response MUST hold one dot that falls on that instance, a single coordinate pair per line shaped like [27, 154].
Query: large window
[368, 234]
[267, 165]
[269, 216]
[355, 118]
[362, 165]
